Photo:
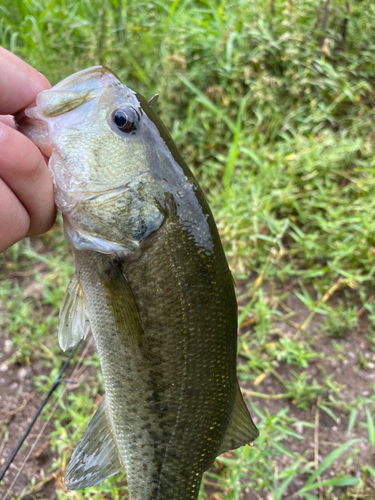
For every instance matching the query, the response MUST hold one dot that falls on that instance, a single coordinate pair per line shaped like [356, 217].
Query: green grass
[273, 109]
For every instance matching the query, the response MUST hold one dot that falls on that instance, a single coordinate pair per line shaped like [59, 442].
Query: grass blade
[352, 419]
[370, 427]
[208, 104]
[336, 481]
[330, 459]
[233, 151]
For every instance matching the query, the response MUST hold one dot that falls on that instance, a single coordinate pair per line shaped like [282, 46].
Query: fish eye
[125, 119]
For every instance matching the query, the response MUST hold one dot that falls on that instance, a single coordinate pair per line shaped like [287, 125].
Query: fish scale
[153, 284]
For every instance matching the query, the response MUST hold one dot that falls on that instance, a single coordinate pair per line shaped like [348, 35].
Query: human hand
[26, 192]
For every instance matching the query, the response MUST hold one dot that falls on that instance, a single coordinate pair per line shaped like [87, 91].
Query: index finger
[19, 83]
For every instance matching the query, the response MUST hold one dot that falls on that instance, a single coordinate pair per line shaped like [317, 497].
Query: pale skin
[26, 192]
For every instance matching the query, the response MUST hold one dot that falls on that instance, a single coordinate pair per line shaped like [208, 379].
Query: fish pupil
[120, 119]
[125, 119]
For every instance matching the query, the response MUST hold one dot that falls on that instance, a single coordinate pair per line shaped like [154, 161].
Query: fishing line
[55, 384]
[44, 402]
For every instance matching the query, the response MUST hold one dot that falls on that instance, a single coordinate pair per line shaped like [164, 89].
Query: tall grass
[262, 97]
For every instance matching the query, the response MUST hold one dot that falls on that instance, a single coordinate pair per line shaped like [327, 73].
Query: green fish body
[153, 285]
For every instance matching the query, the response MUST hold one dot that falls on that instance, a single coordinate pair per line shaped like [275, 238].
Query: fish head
[112, 161]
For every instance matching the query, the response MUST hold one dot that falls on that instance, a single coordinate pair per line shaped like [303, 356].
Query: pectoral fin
[241, 429]
[122, 303]
[74, 319]
[95, 457]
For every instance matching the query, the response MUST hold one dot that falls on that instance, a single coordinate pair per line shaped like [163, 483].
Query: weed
[340, 320]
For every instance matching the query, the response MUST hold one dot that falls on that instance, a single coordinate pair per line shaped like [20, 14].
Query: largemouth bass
[151, 282]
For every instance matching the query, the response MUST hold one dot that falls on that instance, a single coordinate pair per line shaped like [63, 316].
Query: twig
[295, 325]
[253, 492]
[5, 440]
[324, 23]
[284, 395]
[363, 308]
[18, 273]
[273, 372]
[326, 13]
[272, 7]
[278, 377]
[15, 274]
[249, 322]
[214, 485]
[344, 27]
[37, 486]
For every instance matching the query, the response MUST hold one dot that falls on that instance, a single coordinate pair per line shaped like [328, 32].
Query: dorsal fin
[153, 101]
[74, 319]
[241, 429]
[95, 457]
